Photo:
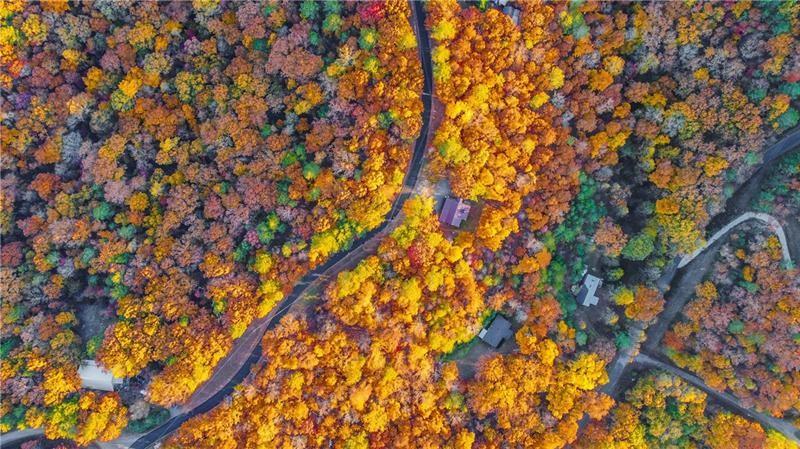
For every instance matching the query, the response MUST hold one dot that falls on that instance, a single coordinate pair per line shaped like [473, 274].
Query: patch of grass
[459, 351]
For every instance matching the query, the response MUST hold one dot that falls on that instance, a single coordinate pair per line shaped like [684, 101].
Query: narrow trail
[767, 219]
[694, 269]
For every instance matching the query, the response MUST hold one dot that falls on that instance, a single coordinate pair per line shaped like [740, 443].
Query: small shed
[454, 211]
[95, 377]
[587, 294]
[498, 331]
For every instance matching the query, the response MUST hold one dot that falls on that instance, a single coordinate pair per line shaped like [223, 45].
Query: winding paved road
[680, 295]
[17, 437]
[677, 272]
[740, 201]
[784, 145]
[698, 264]
[238, 364]
[235, 362]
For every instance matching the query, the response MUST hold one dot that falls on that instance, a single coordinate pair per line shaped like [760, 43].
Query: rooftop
[497, 332]
[454, 211]
[95, 377]
[586, 295]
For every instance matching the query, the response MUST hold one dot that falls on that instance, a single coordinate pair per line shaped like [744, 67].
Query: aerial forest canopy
[183, 165]
[173, 172]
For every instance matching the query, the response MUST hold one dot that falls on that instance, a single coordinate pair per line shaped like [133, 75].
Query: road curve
[423, 44]
[739, 202]
[16, 437]
[727, 399]
[767, 219]
[786, 143]
[700, 261]
[789, 142]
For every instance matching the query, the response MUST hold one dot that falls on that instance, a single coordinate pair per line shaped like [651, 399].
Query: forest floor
[93, 319]
[467, 365]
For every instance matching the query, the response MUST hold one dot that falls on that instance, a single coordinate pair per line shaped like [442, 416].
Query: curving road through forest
[685, 272]
[767, 219]
[678, 275]
[235, 367]
[734, 205]
[241, 359]
[699, 261]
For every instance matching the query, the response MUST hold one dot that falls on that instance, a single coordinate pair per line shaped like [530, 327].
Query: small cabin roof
[497, 332]
[454, 211]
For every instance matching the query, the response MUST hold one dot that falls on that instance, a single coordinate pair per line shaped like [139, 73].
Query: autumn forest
[399, 224]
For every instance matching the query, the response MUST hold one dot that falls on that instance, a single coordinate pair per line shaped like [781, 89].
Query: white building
[586, 295]
[95, 377]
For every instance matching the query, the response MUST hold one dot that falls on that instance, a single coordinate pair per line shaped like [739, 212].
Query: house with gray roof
[497, 332]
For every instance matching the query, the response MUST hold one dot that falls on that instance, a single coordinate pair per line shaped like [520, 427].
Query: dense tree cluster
[670, 101]
[502, 142]
[697, 89]
[741, 332]
[183, 164]
[662, 410]
[724, 80]
[683, 98]
[497, 141]
[780, 190]
[365, 370]
[665, 107]
[418, 284]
